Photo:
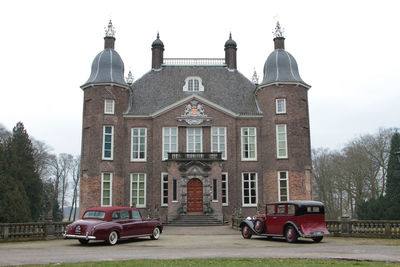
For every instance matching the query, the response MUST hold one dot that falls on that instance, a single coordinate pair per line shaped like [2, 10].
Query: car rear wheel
[156, 233]
[246, 232]
[291, 234]
[317, 239]
[112, 238]
[259, 226]
[83, 241]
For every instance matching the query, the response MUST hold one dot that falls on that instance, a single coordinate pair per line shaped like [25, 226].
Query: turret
[230, 53]
[157, 48]
[107, 66]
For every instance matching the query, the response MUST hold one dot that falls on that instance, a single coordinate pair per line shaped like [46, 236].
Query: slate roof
[281, 66]
[158, 89]
[107, 67]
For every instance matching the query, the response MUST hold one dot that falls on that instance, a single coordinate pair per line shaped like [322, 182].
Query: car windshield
[94, 214]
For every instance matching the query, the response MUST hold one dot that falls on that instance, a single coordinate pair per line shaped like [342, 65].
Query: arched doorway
[194, 195]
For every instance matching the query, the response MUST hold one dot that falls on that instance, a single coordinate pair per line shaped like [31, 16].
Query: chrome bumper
[87, 237]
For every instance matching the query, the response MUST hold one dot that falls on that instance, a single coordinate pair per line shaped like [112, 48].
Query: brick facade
[266, 165]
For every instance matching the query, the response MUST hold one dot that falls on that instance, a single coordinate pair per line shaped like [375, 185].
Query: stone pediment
[195, 168]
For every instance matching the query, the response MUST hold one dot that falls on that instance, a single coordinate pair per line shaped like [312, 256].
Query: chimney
[109, 39]
[279, 40]
[157, 49]
[279, 43]
[230, 53]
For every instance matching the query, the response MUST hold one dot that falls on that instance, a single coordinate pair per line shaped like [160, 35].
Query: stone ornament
[194, 114]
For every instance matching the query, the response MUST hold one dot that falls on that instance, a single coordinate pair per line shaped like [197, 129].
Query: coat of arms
[194, 114]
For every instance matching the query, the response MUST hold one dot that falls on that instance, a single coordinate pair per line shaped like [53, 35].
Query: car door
[276, 220]
[122, 217]
[139, 224]
[127, 222]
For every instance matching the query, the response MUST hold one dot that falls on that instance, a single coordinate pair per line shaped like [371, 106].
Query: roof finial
[110, 30]
[254, 79]
[278, 31]
[158, 35]
[129, 79]
[230, 35]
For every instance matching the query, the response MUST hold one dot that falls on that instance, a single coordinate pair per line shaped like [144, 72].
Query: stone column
[345, 226]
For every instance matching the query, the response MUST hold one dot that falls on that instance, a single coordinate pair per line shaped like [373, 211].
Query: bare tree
[75, 178]
[377, 147]
[43, 158]
[345, 179]
[61, 168]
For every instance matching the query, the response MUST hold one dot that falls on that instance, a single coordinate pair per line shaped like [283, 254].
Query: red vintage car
[112, 224]
[289, 219]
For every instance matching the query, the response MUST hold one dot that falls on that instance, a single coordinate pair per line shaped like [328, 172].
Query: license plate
[318, 233]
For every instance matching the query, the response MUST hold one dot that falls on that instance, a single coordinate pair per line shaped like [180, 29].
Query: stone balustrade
[31, 231]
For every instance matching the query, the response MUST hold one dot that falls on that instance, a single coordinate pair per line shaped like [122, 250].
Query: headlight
[254, 217]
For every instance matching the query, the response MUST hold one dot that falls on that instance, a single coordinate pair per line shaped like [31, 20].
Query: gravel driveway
[198, 242]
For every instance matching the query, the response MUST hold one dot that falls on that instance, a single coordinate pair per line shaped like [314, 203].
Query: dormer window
[193, 85]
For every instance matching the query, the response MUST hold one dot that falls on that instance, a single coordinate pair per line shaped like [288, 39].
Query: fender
[249, 223]
[295, 227]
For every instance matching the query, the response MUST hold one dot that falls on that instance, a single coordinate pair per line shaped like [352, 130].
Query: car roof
[110, 208]
[300, 203]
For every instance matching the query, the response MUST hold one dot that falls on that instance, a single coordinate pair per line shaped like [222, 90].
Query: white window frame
[163, 174]
[164, 130]
[256, 190]
[278, 155]
[214, 189]
[283, 111]
[175, 191]
[201, 139]
[137, 197]
[192, 79]
[225, 151]
[102, 188]
[108, 102]
[104, 141]
[226, 189]
[287, 185]
[145, 144]
[242, 143]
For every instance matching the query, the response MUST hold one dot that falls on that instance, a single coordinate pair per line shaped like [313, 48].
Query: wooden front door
[195, 195]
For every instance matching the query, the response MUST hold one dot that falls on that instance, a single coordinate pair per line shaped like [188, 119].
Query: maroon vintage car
[112, 224]
[289, 219]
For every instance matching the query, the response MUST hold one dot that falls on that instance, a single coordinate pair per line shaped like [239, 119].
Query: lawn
[228, 262]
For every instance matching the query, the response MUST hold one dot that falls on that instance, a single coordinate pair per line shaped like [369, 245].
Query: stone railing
[353, 228]
[29, 231]
[194, 62]
[364, 228]
[189, 156]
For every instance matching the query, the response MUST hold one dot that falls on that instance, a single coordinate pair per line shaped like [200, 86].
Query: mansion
[194, 136]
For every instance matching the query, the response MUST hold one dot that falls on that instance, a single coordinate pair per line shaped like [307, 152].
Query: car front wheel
[317, 239]
[246, 232]
[259, 226]
[156, 233]
[83, 241]
[112, 238]
[291, 235]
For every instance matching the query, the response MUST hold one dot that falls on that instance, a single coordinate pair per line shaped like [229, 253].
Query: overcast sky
[348, 51]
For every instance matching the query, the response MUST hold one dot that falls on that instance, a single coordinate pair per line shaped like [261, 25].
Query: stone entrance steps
[196, 220]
